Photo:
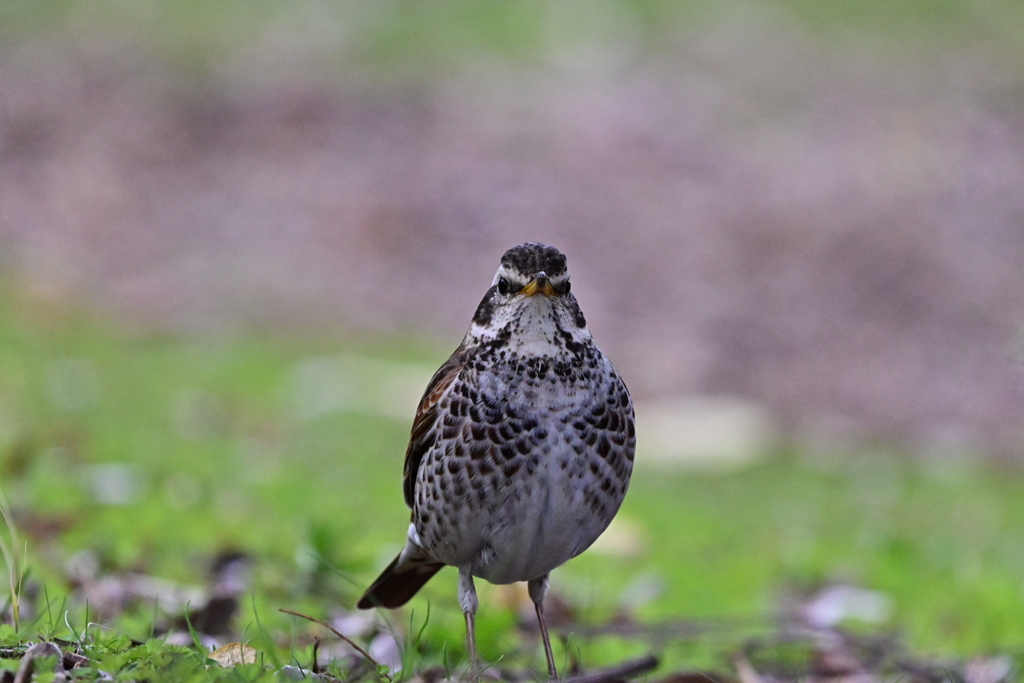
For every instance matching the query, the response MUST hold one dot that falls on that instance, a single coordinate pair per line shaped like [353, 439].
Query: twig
[628, 669]
[341, 635]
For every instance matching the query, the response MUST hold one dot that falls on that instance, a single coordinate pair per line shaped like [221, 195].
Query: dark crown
[534, 257]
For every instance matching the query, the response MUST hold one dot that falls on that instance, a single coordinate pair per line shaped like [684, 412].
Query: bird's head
[530, 294]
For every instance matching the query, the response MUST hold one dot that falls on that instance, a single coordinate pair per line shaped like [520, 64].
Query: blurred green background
[237, 238]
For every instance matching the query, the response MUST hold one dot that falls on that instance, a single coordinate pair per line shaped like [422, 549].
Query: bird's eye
[504, 286]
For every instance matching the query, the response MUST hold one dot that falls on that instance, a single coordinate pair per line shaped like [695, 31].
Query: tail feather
[397, 584]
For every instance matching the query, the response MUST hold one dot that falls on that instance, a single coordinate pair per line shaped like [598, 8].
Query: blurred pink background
[820, 216]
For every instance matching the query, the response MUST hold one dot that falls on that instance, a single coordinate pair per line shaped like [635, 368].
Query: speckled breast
[530, 463]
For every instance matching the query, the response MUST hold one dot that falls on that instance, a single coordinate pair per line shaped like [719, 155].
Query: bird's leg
[538, 588]
[469, 603]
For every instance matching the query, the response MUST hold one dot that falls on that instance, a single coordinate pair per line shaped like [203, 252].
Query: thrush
[521, 448]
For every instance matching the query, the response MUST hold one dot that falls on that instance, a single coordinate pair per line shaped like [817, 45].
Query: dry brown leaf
[234, 654]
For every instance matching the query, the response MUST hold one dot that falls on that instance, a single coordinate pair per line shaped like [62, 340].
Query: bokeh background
[235, 239]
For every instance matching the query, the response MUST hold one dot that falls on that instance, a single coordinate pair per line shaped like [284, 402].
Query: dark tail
[395, 588]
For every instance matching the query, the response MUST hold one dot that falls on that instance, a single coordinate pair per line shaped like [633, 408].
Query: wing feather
[423, 432]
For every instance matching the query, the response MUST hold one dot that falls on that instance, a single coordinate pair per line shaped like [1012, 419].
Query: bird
[521, 449]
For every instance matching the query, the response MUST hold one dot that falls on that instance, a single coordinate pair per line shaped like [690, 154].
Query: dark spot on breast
[571, 345]
[478, 450]
[579, 319]
[500, 341]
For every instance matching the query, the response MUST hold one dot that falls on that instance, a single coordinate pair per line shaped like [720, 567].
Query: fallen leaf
[234, 654]
[745, 671]
[28, 663]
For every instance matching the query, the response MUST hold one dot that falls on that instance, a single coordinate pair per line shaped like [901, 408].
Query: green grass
[222, 460]
[409, 40]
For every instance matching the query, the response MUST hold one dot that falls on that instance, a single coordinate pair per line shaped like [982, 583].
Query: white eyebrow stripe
[516, 277]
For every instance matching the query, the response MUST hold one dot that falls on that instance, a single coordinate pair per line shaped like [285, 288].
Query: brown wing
[423, 433]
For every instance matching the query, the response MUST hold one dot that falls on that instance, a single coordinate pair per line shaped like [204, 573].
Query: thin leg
[471, 639]
[538, 588]
[469, 603]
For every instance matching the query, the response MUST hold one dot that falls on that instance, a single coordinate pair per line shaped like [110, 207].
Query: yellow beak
[539, 286]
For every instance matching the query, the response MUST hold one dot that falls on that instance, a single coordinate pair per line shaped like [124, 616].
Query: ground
[146, 475]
